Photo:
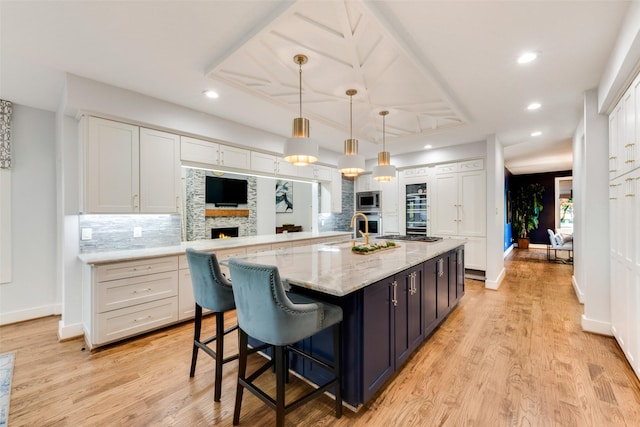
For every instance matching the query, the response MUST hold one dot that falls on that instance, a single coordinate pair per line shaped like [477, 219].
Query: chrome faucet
[366, 226]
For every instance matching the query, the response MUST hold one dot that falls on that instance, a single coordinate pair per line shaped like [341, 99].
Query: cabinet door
[401, 289]
[336, 191]
[445, 206]
[460, 271]
[233, 157]
[442, 281]
[285, 168]
[430, 295]
[159, 172]
[199, 151]
[111, 167]
[261, 162]
[186, 300]
[472, 202]
[415, 325]
[453, 277]
[476, 253]
[377, 337]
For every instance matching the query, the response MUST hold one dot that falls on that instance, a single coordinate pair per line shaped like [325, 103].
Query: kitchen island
[392, 300]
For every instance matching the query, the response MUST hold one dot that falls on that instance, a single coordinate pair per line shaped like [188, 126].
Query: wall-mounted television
[225, 191]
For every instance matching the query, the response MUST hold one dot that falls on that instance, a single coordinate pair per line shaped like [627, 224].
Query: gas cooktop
[413, 237]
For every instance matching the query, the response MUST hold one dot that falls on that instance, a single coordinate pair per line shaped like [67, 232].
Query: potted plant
[527, 205]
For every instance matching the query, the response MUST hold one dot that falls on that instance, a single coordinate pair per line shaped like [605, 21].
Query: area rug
[6, 372]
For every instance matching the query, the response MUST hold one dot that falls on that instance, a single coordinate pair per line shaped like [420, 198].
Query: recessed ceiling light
[536, 133]
[534, 106]
[527, 57]
[428, 146]
[211, 94]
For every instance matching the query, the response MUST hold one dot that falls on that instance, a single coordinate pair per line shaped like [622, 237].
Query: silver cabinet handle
[440, 267]
[395, 293]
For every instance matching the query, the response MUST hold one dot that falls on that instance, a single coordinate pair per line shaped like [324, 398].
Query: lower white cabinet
[128, 298]
[132, 297]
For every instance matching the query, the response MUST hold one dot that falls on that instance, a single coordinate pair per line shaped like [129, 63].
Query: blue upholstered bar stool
[211, 291]
[267, 313]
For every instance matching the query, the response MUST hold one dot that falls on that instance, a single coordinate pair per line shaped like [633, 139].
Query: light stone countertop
[206, 245]
[333, 269]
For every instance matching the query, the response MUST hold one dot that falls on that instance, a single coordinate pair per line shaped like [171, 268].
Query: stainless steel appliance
[367, 201]
[375, 224]
[416, 209]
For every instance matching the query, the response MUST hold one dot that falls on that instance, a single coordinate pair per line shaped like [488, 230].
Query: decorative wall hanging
[284, 196]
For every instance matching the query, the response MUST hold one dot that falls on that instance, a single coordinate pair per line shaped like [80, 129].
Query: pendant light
[351, 163]
[300, 149]
[384, 171]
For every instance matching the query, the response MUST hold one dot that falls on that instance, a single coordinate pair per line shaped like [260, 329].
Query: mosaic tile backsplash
[115, 232]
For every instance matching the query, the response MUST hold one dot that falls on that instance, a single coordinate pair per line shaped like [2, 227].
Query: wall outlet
[137, 231]
[86, 234]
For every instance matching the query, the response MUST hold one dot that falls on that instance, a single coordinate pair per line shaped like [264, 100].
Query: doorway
[564, 204]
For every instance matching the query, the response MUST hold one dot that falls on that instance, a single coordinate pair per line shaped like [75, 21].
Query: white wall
[579, 176]
[593, 243]
[495, 213]
[32, 291]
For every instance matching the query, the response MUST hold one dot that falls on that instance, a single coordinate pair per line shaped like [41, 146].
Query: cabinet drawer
[471, 165]
[117, 324]
[258, 248]
[116, 294]
[122, 270]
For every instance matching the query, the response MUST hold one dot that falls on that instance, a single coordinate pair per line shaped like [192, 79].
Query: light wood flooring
[512, 357]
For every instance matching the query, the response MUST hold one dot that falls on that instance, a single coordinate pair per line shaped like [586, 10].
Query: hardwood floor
[512, 357]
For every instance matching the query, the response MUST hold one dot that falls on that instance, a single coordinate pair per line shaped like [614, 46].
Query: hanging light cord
[300, 72]
[350, 116]
[383, 132]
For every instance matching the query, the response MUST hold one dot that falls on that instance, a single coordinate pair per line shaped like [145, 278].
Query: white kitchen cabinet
[130, 169]
[262, 162]
[390, 206]
[111, 166]
[131, 297]
[624, 224]
[458, 208]
[365, 182]
[207, 153]
[331, 193]
[160, 184]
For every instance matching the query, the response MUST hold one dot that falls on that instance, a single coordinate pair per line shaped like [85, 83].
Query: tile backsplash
[116, 232]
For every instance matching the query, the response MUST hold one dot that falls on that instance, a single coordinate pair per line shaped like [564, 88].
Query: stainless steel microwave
[368, 201]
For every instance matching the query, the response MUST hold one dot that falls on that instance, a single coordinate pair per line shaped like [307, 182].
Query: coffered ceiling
[348, 48]
[446, 70]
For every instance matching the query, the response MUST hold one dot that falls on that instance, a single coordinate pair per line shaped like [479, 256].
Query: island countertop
[206, 245]
[333, 269]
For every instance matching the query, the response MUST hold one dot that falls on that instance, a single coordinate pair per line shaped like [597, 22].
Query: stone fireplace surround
[198, 225]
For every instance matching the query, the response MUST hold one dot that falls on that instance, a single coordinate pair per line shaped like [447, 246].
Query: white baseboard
[577, 290]
[495, 284]
[66, 332]
[29, 314]
[508, 251]
[596, 326]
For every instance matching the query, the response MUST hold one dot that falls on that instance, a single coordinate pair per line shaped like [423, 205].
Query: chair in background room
[211, 291]
[559, 242]
[269, 314]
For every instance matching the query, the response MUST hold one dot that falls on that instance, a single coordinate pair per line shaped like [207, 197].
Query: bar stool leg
[242, 371]
[196, 338]
[337, 366]
[219, 355]
[281, 379]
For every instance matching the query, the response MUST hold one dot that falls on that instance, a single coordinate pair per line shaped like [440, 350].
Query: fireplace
[224, 232]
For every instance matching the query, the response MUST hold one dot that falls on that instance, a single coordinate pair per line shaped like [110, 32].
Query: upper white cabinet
[365, 182]
[209, 153]
[261, 162]
[159, 172]
[331, 193]
[130, 169]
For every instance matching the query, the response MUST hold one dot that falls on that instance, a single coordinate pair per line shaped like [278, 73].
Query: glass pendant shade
[384, 171]
[300, 149]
